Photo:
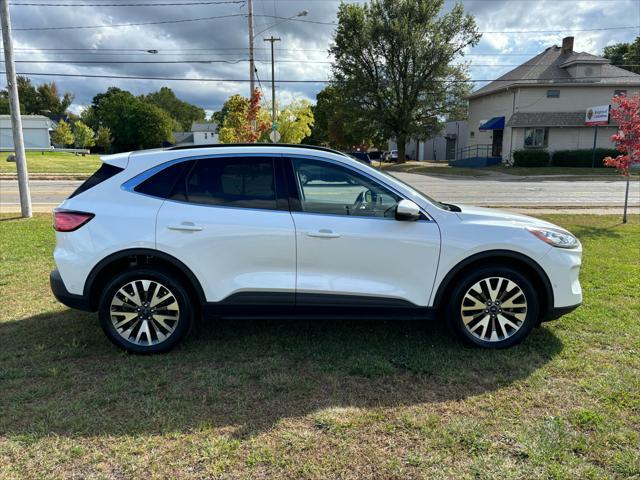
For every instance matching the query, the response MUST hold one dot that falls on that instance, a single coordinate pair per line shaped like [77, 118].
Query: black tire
[506, 336]
[184, 315]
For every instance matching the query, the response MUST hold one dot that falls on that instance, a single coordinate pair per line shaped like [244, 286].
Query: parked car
[392, 156]
[361, 156]
[155, 239]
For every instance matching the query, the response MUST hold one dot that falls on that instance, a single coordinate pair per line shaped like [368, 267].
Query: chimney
[567, 45]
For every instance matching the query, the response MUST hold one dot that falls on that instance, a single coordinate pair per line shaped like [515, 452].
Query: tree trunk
[402, 147]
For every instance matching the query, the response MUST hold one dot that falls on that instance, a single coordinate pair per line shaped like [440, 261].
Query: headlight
[556, 238]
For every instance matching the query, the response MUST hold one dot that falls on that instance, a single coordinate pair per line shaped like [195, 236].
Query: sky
[302, 53]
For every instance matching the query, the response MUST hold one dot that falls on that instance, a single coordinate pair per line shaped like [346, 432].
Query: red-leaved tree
[626, 113]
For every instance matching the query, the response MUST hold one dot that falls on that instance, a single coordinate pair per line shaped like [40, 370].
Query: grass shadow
[60, 375]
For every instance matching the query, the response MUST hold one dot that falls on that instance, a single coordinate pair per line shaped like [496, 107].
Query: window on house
[553, 93]
[619, 93]
[536, 137]
[472, 134]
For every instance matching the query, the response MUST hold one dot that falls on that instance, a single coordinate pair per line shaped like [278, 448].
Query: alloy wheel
[144, 312]
[494, 309]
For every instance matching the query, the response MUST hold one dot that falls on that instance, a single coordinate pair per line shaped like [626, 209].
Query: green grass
[432, 169]
[54, 162]
[323, 399]
[579, 171]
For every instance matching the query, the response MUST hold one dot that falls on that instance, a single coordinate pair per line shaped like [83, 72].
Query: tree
[50, 101]
[83, 135]
[295, 121]
[134, 123]
[624, 55]
[393, 62]
[245, 121]
[62, 135]
[103, 139]
[626, 113]
[183, 112]
[339, 124]
[42, 100]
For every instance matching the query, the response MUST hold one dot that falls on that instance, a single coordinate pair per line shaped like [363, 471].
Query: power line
[163, 22]
[216, 2]
[186, 49]
[564, 30]
[191, 79]
[239, 60]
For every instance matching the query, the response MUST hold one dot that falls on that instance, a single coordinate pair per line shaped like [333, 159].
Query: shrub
[530, 158]
[581, 158]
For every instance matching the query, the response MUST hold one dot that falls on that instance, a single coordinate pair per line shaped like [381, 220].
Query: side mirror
[407, 210]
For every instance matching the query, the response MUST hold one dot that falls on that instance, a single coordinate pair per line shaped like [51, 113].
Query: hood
[478, 214]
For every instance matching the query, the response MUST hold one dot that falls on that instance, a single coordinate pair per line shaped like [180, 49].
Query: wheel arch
[519, 261]
[117, 261]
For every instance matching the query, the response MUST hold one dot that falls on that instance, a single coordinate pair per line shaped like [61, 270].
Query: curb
[47, 176]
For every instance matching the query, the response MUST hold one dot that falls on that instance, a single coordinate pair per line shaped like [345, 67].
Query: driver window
[330, 189]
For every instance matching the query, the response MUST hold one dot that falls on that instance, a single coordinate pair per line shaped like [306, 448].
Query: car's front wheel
[145, 311]
[493, 307]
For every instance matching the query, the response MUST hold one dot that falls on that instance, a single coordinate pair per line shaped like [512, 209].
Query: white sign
[274, 136]
[597, 115]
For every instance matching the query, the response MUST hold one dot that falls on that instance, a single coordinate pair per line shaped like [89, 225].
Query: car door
[349, 243]
[229, 223]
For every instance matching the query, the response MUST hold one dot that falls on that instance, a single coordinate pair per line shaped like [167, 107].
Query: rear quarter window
[105, 172]
[163, 183]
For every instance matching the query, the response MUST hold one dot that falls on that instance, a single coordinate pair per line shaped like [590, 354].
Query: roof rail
[222, 145]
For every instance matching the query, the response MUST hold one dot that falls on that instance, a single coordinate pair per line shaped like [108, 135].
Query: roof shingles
[546, 69]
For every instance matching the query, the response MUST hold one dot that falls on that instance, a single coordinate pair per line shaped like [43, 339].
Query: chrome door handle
[186, 227]
[323, 233]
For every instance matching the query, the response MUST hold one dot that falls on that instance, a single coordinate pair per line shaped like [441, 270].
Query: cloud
[299, 54]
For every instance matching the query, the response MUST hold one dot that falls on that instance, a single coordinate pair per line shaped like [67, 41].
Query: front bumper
[79, 302]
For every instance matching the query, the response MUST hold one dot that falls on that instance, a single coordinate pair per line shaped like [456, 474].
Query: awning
[496, 123]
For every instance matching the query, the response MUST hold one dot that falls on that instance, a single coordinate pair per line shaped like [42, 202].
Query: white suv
[155, 239]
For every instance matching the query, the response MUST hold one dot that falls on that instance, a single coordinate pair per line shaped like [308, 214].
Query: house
[35, 131]
[542, 104]
[443, 147]
[200, 134]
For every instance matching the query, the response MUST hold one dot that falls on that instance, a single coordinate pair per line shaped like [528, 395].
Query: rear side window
[162, 183]
[236, 182]
[105, 172]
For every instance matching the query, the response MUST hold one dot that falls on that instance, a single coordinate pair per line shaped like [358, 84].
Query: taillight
[68, 221]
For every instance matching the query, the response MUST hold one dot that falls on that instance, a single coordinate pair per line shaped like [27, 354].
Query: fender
[99, 267]
[489, 254]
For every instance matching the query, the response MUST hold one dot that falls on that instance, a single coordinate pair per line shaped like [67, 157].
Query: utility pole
[252, 67]
[272, 40]
[14, 106]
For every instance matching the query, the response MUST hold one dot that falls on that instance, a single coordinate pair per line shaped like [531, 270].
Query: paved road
[509, 191]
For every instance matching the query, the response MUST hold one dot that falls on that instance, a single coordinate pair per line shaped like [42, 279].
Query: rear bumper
[79, 302]
[558, 312]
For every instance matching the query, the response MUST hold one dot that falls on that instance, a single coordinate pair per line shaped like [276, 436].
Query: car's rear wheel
[493, 307]
[145, 311]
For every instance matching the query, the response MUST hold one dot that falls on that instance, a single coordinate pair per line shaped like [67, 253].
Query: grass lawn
[322, 399]
[433, 169]
[54, 162]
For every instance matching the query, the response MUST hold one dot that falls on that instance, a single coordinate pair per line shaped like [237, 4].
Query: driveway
[503, 191]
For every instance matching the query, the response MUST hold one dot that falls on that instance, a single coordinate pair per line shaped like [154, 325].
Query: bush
[530, 158]
[581, 158]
